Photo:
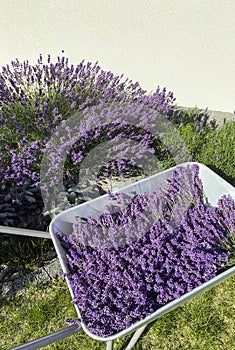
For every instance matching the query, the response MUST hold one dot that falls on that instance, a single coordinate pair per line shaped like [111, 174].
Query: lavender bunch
[226, 212]
[132, 215]
[116, 286]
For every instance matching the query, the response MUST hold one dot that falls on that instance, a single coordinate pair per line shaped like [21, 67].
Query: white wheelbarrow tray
[214, 187]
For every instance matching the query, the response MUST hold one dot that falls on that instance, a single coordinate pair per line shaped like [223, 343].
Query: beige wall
[186, 45]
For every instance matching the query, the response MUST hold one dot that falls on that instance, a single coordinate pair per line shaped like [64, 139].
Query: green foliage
[192, 139]
[218, 151]
[212, 147]
[25, 252]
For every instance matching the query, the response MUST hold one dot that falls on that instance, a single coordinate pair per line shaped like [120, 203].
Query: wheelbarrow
[214, 187]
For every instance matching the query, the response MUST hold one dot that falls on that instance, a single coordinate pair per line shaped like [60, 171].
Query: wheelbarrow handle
[49, 339]
[24, 232]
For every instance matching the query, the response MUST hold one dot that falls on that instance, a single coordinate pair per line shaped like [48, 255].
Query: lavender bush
[136, 257]
[35, 99]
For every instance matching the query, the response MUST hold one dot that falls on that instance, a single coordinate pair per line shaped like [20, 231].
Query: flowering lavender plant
[147, 251]
[36, 98]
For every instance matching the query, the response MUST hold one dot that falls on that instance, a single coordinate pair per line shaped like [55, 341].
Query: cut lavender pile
[169, 243]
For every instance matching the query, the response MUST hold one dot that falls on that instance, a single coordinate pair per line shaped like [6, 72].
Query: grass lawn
[205, 323]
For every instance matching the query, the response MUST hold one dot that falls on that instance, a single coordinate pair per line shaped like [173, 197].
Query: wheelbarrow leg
[109, 345]
[135, 337]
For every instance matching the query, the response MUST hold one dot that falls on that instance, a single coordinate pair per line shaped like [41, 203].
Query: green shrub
[194, 127]
[218, 151]
[212, 146]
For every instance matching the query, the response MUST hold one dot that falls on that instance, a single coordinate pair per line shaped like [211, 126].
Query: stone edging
[18, 284]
